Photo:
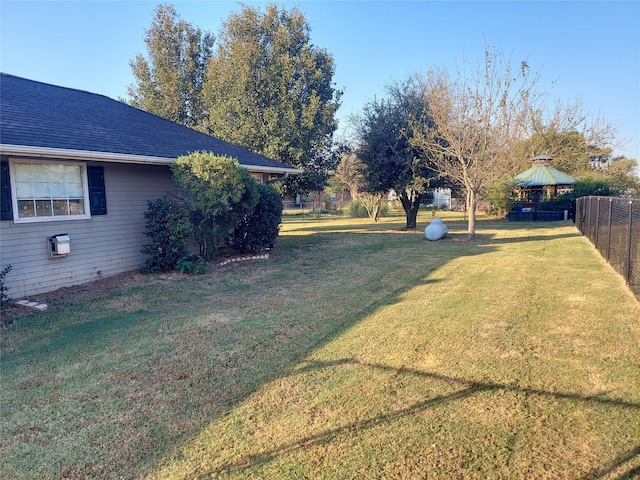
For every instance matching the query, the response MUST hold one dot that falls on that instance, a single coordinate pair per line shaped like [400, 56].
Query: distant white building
[442, 198]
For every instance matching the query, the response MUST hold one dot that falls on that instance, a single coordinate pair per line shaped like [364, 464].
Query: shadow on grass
[454, 236]
[614, 467]
[489, 238]
[466, 389]
[183, 364]
[204, 371]
[457, 230]
[366, 227]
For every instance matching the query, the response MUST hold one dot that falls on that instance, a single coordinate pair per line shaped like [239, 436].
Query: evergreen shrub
[259, 230]
[168, 226]
[3, 287]
[357, 210]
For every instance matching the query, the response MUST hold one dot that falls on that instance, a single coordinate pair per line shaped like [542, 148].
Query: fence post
[609, 229]
[628, 269]
[595, 241]
[591, 200]
[588, 204]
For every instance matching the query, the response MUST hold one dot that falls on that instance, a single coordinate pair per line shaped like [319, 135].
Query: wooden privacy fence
[613, 226]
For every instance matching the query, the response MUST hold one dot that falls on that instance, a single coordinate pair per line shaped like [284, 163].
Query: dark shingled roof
[35, 114]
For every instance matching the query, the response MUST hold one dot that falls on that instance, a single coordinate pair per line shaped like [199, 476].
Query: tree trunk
[372, 202]
[410, 201]
[375, 213]
[202, 243]
[472, 202]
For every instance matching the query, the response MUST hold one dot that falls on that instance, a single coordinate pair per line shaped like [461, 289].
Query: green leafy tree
[500, 196]
[269, 89]
[169, 82]
[384, 132]
[569, 150]
[601, 184]
[593, 184]
[575, 139]
[218, 192]
[620, 173]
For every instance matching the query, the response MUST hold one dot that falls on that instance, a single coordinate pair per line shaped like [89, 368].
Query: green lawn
[356, 350]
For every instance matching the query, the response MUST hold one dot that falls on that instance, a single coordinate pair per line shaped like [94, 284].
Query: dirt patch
[103, 287]
[86, 292]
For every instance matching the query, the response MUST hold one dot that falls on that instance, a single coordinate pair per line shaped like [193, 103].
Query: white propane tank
[436, 229]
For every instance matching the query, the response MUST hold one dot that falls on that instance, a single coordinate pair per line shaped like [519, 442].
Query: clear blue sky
[590, 49]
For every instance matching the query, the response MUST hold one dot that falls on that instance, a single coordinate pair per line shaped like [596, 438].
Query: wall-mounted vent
[59, 245]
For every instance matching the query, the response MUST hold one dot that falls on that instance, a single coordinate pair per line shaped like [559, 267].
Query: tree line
[264, 86]
[267, 87]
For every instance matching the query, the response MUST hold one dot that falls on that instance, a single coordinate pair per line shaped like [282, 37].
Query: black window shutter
[97, 192]
[6, 209]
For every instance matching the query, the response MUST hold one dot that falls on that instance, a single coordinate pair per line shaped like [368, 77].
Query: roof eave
[533, 184]
[87, 155]
[258, 168]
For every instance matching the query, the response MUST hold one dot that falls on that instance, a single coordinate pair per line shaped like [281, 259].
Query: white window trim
[56, 218]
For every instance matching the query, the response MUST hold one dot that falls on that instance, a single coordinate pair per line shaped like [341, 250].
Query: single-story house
[77, 170]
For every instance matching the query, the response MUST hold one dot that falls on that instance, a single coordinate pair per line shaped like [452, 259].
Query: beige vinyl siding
[101, 246]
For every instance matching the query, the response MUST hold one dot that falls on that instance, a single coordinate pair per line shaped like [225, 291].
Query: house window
[46, 191]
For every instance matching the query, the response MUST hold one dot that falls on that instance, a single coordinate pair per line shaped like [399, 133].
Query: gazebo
[541, 182]
[538, 184]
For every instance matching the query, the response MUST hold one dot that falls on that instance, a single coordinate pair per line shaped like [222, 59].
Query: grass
[356, 351]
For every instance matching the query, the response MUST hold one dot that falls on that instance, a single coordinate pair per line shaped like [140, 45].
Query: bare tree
[477, 118]
[349, 174]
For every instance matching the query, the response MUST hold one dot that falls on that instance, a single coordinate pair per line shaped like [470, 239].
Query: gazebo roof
[541, 174]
